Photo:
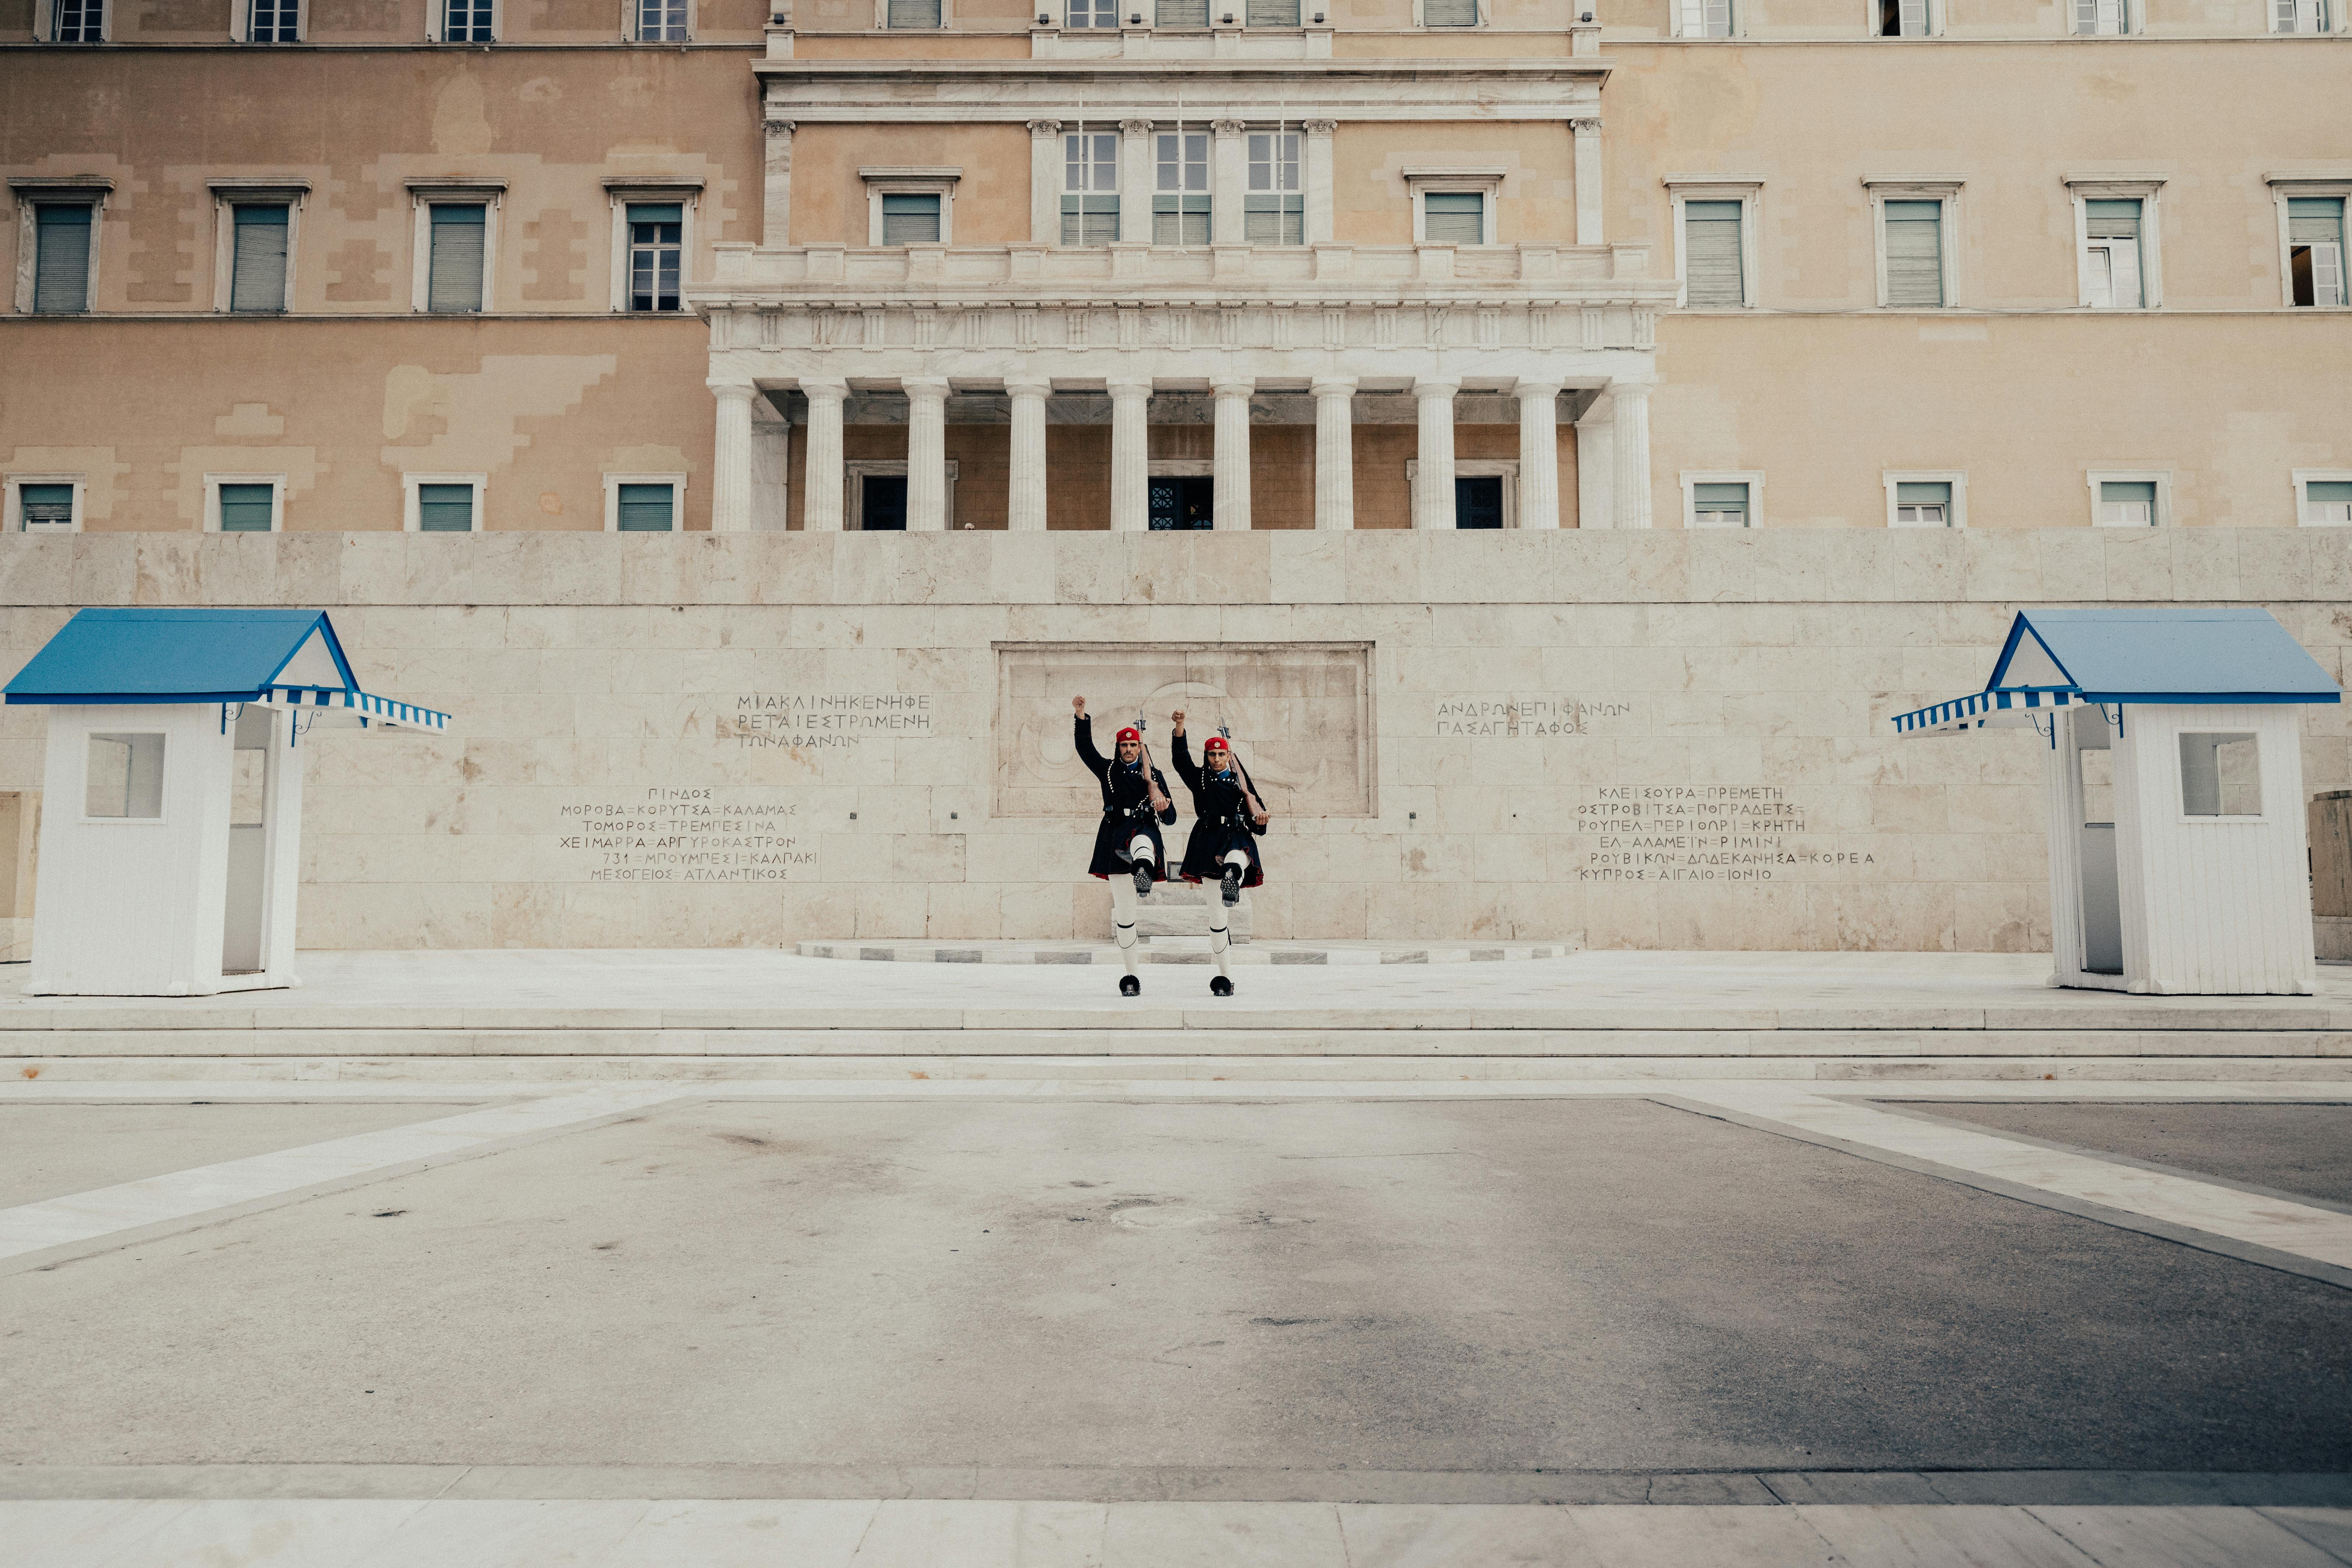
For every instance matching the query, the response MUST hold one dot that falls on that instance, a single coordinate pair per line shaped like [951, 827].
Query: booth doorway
[2102, 925]
[252, 814]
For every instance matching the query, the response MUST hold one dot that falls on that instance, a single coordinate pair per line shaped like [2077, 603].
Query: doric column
[1024, 507]
[1432, 490]
[1131, 455]
[1316, 175]
[1046, 181]
[776, 204]
[1588, 179]
[1596, 464]
[1135, 180]
[730, 459]
[927, 453]
[1230, 459]
[1630, 477]
[1335, 451]
[1228, 178]
[821, 509]
[1539, 454]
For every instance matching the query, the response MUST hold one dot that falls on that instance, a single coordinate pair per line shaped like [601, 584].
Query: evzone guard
[1228, 817]
[1129, 853]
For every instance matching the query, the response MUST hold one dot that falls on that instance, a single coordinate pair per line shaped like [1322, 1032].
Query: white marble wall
[1549, 714]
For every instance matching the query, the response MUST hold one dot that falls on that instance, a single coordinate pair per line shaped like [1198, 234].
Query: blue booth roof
[2156, 654]
[288, 657]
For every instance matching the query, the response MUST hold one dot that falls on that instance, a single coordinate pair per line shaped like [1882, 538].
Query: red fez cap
[1130, 733]
[1217, 743]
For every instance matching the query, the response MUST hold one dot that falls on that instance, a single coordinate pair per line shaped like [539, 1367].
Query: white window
[1902, 18]
[44, 503]
[1727, 499]
[1917, 498]
[653, 235]
[2323, 496]
[1454, 207]
[1274, 209]
[911, 205]
[2220, 773]
[1089, 187]
[56, 233]
[1101, 13]
[2314, 250]
[1916, 249]
[72, 21]
[267, 21]
[663, 21]
[254, 259]
[1702, 18]
[457, 241]
[1180, 187]
[644, 503]
[464, 21]
[2299, 17]
[244, 503]
[2131, 498]
[1179, 13]
[2102, 18]
[2118, 261]
[442, 504]
[123, 778]
[1270, 13]
[1449, 13]
[914, 13]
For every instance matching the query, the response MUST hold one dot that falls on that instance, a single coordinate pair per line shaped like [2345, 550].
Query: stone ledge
[1179, 950]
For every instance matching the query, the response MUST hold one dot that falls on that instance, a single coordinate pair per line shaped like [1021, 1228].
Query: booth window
[125, 778]
[2221, 776]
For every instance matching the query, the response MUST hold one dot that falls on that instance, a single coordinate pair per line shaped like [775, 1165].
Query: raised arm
[1082, 737]
[1181, 753]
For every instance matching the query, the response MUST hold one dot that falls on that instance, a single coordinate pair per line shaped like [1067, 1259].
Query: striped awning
[365, 706]
[1982, 710]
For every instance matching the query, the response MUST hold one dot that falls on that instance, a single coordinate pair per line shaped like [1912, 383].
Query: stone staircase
[1182, 908]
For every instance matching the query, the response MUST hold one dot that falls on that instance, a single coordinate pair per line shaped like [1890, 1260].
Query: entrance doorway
[1182, 502]
[1478, 502]
[882, 503]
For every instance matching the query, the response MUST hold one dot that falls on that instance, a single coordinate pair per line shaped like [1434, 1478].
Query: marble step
[1182, 908]
[1173, 948]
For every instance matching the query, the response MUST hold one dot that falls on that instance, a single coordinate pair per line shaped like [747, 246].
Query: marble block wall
[1661, 739]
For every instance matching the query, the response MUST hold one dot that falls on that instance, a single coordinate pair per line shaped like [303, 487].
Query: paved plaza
[325, 1311]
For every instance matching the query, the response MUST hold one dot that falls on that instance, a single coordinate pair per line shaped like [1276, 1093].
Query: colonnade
[1627, 451]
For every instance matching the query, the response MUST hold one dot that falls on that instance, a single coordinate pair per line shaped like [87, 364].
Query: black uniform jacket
[1127, 810]
[1221, 821]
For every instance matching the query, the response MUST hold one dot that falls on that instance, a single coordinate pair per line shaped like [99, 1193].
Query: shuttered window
[469, 22]
[645, 508]
[1179, 204]
[1181, 14]
[1273, 12]
[1923, 504]
[2324, 500]
[1711, 258]
[46, 509]
[656, 254]
[1903, 18]
[1703, 18]
[1719, 506]
[1914, 253]
[2099, 18]
[454, 275]
[661, 21]
[914, 13]
[1449, 13]
[61, 257]
[2111, 256]
[258, 257]
[1095, 14]
[1454, 218]
[2299, 16]
[245, 508]
[1179, 220]
[2127, 503]
[273, 21]
[910, 220]
[2315, 239]
[1274, 210]
[77, 22]
[444, 509]
[1090, 188]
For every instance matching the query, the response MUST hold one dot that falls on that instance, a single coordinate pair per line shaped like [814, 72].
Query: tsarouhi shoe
[1144, 879]
[1129, 985]
[1219, 986]
[1232, 886]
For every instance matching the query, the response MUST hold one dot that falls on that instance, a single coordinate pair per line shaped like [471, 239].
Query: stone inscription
[825, 720]
[686, 835]
[1523, 717]
[1698, 833]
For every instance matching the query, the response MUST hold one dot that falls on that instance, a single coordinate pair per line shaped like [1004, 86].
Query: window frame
[2285, 188]
[1934, 23]
[1919, 189]
[162, 786]
[1485, 17]
[436, 24]
[45, 26]
[240, 24]
[621, 193]
[2328, 17]
[857, 470]
[1117, 193]
[1694, 478]
[1955, 477]
[911, 180]
[946, 23]
[12, 500]
[1279, 203]
[2302, 478]
[230, 195]
[1503, 468]
[412, 509]
[2180, 781]
[634, 27]
[32, 192]
[1749, 192]
[277, 483]
[1486, 181]
[1737, 18]
[426, 194]
[2132, 22]
[2160, 478]
[2145, 189]
[613, 481]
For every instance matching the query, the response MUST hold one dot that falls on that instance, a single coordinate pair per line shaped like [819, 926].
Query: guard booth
[2173, 770]
[171, 844]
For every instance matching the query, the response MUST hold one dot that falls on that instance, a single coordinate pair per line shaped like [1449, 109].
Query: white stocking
[1122, 915]
[1218, 940]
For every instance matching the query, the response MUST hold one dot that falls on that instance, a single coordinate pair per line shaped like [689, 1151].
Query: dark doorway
[1182, 502]
[884, 503]
[1478, 503]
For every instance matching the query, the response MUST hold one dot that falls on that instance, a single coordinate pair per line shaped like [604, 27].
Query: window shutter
[1182, 14]
[1711, 259]
[2111, 219]
[257, 260]
[444, 509]
[645, 508]
[1449, 13]
[1914, 253]
[46, 507]
[914, 13]
[2335, 492]
[61, 251]
[454, 277]
[2284, 16]
[1719, 505]
[910, 220]
[245, 509]
[2327, 274]
[1454, 218]
[1273, 12]
[1913, 18]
